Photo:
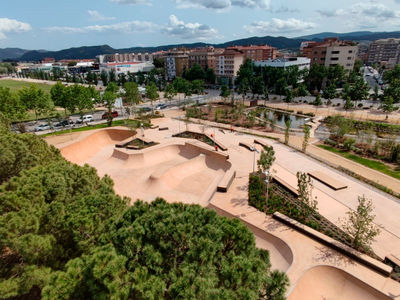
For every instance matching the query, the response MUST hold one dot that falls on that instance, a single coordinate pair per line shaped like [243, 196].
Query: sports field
[16, 85]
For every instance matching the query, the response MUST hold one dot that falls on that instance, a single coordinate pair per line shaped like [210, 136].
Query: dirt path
[361, 114]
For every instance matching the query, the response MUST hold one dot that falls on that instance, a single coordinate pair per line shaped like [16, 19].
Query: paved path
[334, 203]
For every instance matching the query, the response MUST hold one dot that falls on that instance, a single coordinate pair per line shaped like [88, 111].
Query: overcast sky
[57, 24]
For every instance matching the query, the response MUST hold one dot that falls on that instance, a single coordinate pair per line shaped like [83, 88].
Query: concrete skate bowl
[182, 172]
[82, 150]
[280, 254]
[325, 282]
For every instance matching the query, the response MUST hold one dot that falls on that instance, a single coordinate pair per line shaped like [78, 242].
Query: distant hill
[71, 53]
[278, 42]
[11, 53]
[355, 36]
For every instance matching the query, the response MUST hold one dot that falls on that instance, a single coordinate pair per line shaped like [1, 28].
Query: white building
[301, 62]
[132, 67]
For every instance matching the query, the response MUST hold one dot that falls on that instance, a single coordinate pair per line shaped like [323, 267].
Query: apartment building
[176, 62]
[331, 52]
[205, 57]
[256, 53]
[125, 57]
[229, 62]
[125, 67]
[384, 51]
[284, 63]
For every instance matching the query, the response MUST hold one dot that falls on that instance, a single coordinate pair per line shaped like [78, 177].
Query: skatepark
[189, 171]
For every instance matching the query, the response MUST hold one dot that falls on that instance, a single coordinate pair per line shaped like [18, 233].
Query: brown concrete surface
[176, 171]
[325, 282]
[151, 174]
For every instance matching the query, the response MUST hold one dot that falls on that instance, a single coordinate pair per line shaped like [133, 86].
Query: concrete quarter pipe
[325, 282]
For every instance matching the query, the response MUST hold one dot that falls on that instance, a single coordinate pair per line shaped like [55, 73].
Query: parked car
[42, 127]
[144, 109]
[85, 119]
[114, 114]
[64, 123]
[161, 106]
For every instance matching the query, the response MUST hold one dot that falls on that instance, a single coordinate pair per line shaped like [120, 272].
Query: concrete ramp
[87, 147]
[325, 282]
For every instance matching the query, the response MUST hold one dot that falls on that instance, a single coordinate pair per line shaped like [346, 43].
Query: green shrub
[257, 197]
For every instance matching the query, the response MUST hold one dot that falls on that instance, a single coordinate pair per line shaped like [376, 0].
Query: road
[97, 115]
[369, 77]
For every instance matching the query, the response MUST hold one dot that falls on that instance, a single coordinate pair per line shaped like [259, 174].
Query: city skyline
[128, 23]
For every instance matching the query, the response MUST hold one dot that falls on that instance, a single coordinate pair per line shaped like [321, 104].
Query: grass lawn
[15, 85]
[86, 128]
[373, 164]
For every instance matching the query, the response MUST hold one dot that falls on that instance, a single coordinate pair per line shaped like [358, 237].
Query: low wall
[338, 246]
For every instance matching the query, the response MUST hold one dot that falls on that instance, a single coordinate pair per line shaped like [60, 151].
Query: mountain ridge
[279, 42]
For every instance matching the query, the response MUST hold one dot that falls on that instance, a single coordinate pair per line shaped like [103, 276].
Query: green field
[373, 164]
[16, 85]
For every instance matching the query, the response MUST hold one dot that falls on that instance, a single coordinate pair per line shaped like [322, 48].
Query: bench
[247, 146]
[163, 128]
[154, 127]
[226, 181]
[327, 180]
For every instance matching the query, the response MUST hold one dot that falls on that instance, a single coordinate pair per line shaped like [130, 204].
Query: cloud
[11, 25]
[223, 4]
[96, 16]
[367, 14]
[198, 31]
[279, 26]
[124, 27]
[285, 9]
[132, 2]
[331, 13]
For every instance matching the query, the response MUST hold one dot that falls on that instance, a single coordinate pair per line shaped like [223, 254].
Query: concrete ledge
[247, 146]
[338, 246]
[286, 185]
[260, 142]
[327, 180]
[226, 181]
[393, 260]
[125, 142]
[208, 151]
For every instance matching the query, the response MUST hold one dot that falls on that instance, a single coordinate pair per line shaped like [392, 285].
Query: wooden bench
[247, 146]
[163, 128]
[154, 127]
[226, 181]
[327, 180]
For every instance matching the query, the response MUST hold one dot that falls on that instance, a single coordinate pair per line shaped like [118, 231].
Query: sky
[60, 24]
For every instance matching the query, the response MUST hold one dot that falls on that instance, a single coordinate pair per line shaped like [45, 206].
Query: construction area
[159, 162]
